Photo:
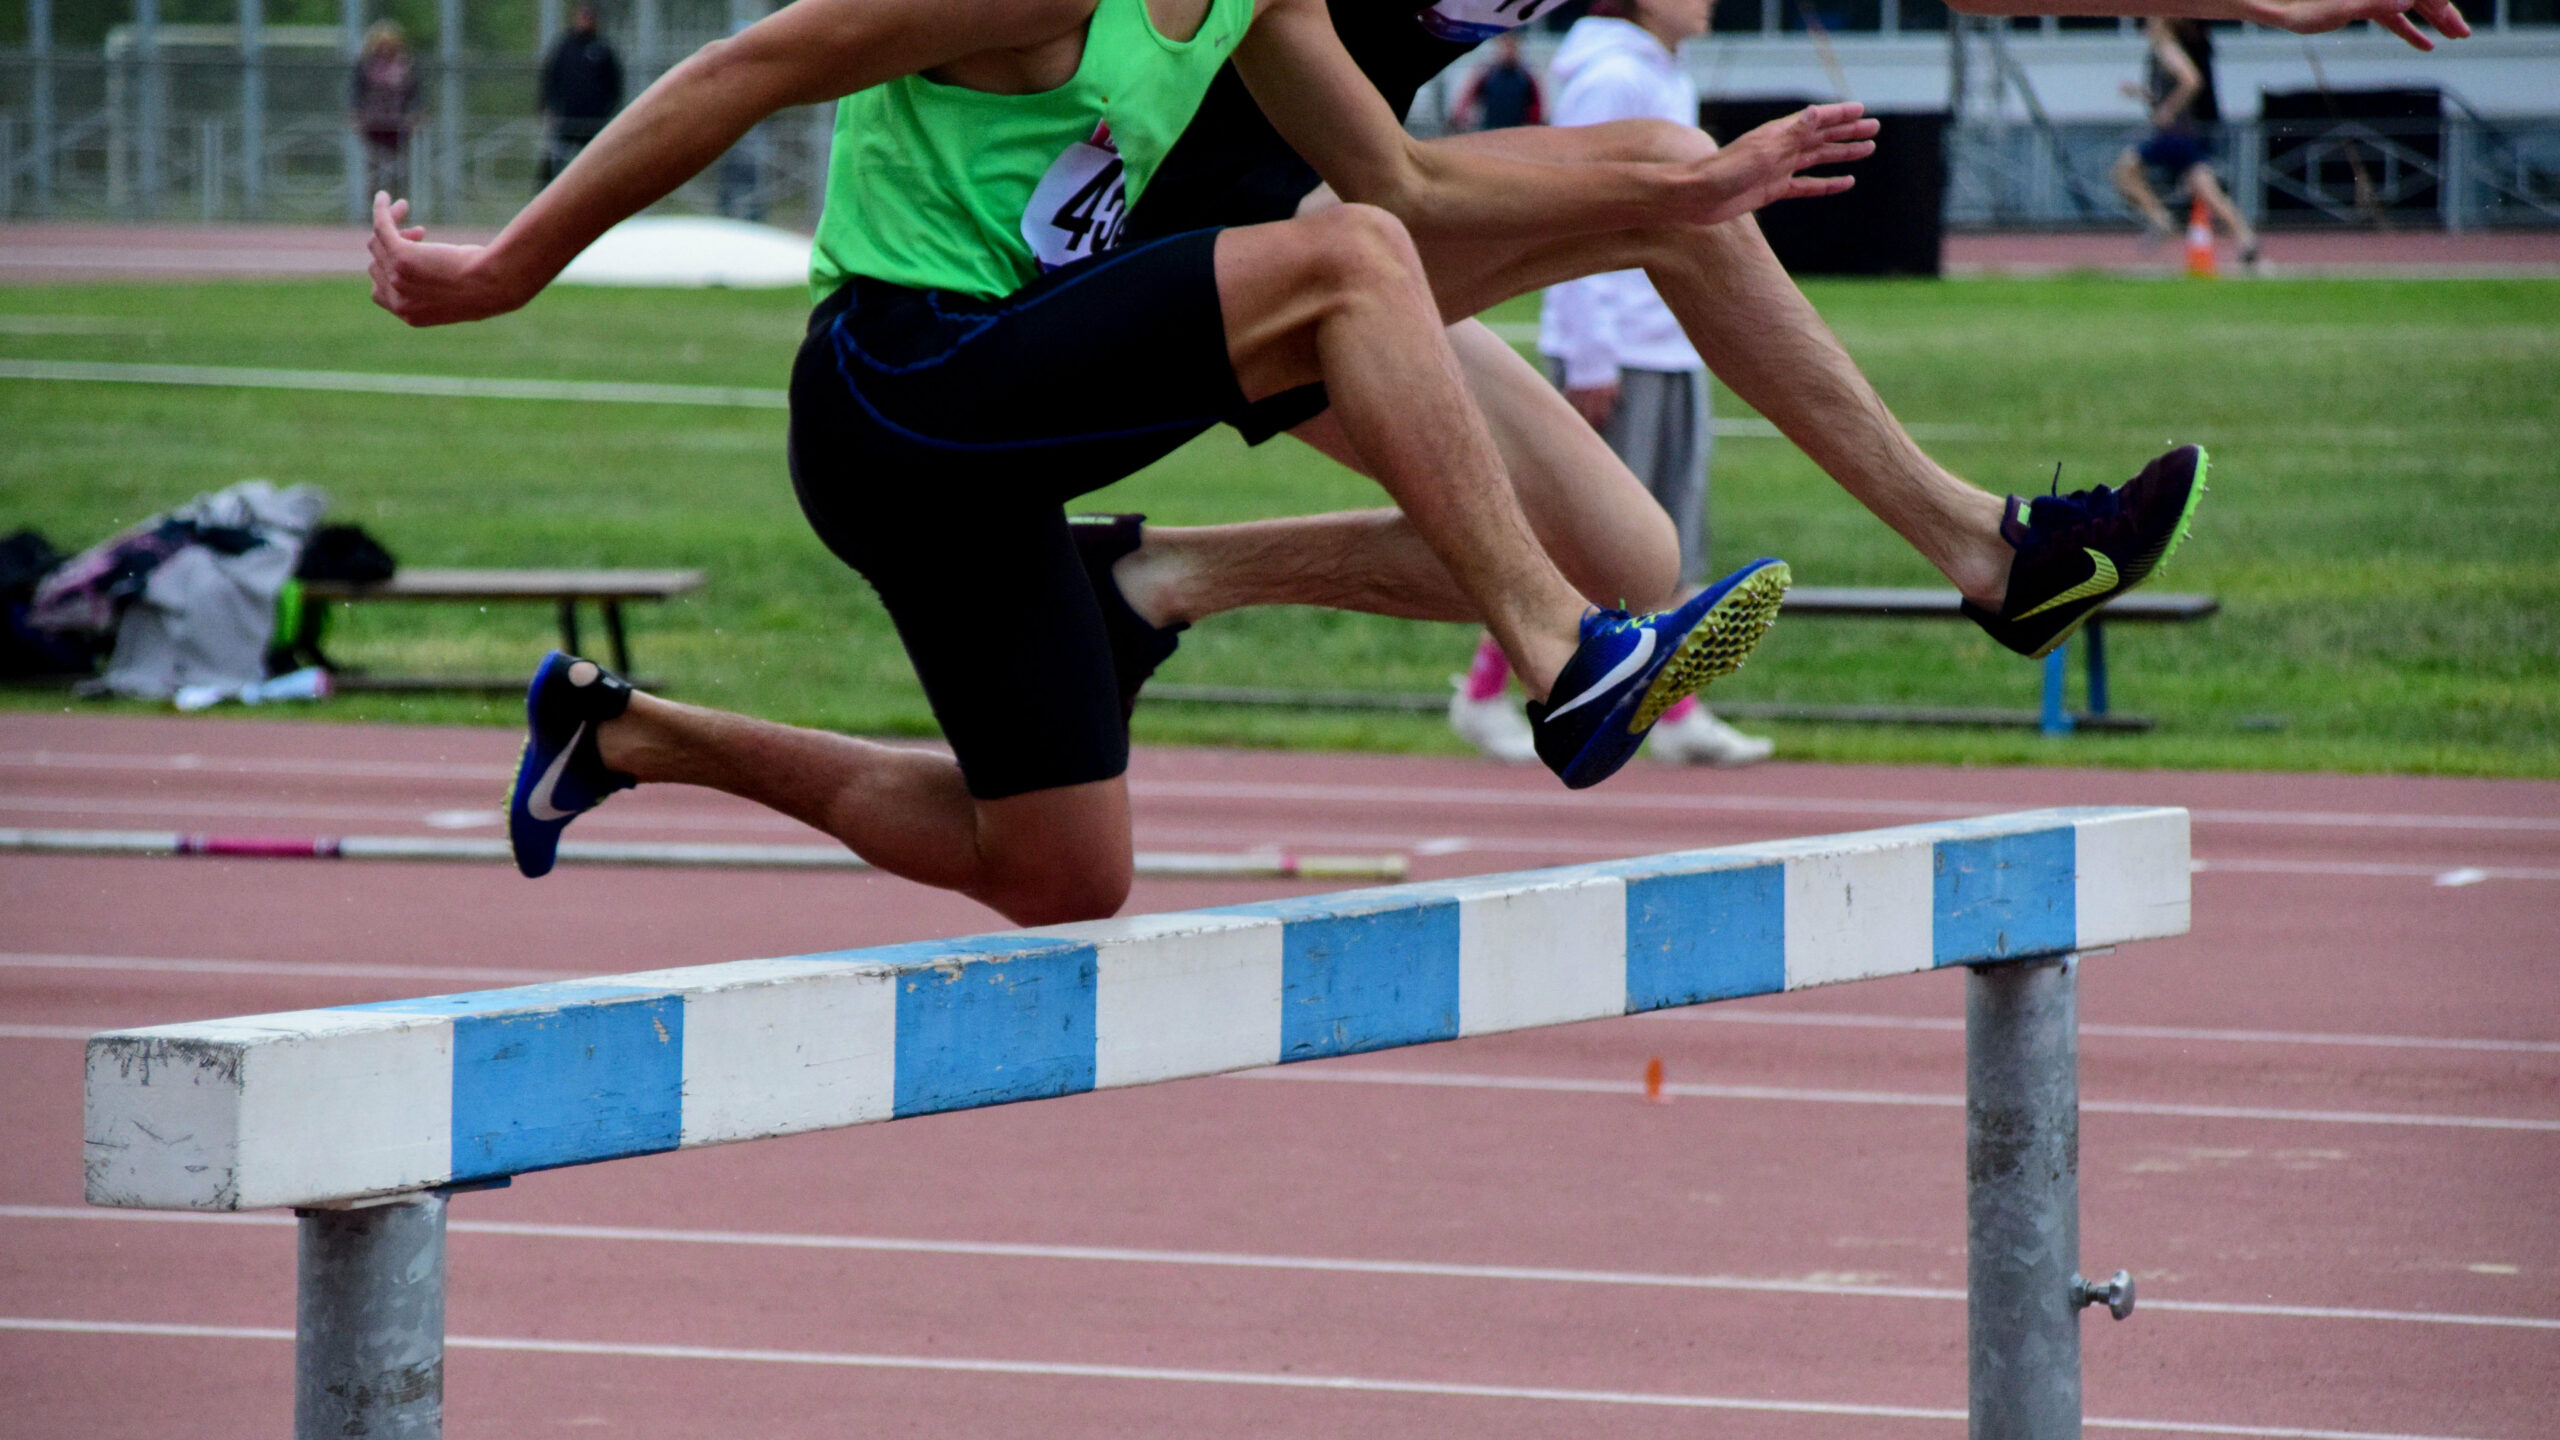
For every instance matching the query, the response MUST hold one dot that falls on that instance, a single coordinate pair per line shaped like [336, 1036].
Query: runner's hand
[427, 284]
[2400, 17]
[1761, 167]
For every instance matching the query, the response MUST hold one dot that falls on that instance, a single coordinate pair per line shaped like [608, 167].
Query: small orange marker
[2199, 240]
[1653, 1082]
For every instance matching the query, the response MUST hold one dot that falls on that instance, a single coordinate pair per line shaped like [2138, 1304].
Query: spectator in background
[2177, 88]
[1619, 355]
[382, 104]
[1501, 93]
[581, 88]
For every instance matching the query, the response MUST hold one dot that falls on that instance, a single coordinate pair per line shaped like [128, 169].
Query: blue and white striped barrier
[316, 1107]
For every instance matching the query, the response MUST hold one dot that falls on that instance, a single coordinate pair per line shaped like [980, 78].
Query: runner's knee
[1361, 248]
[1055, 893]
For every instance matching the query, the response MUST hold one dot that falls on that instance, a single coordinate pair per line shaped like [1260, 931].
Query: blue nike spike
[1631, 668]
[561, 774]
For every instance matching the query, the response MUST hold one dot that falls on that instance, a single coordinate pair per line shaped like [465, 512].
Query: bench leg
[2056, 719]
[569, 626]
[613, 633]
[2022, 1199]
[368, 1351]
[2096, 635]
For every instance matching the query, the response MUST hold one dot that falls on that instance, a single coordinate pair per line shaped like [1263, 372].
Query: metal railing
[101, 138]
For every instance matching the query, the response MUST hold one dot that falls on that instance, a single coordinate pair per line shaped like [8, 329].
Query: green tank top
[944, 188]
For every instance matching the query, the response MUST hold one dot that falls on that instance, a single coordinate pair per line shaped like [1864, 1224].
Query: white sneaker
[1496, 727]
[1699, 738]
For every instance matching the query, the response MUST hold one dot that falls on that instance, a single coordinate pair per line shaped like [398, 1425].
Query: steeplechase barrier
[366, 1118]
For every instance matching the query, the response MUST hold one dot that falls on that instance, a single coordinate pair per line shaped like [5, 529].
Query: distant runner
[2186, 115]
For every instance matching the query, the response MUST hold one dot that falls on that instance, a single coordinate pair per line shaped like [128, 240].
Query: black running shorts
[935, 439]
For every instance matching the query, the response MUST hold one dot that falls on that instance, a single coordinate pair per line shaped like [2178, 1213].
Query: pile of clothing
[197, 605]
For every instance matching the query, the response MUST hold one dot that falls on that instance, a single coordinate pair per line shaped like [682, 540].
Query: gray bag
[205, 615]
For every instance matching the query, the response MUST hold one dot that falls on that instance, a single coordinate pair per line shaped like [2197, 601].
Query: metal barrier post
[253, 109]
[2022, 1199]
[368, 1353]
[209, 170]
[40, 100]
[151, 130]
[350, 144]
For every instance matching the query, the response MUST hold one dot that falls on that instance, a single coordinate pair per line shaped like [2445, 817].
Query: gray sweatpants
[1660, 430]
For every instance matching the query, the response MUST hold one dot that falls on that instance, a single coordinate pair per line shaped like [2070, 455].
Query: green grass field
[2382, 528]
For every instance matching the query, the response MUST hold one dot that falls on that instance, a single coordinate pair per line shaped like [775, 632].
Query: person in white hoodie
[1621, 358]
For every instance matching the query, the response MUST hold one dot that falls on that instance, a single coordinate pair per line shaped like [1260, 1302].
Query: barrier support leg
[2022, 1199]
[2055, 718]
[368, 1353]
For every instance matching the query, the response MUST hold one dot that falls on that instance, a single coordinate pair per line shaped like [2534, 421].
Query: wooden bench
[564, 588]
[2143, 607]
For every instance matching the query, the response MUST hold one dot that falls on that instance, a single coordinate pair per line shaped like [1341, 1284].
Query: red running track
[2323, 1130]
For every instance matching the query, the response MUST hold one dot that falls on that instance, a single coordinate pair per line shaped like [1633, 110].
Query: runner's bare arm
[1328, 111]
[2302, 17]
[804, 53]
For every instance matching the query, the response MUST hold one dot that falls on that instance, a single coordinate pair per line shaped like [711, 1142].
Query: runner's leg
[1756, 331]
[1593, 516]
[2136, 189]
[903, 810]
[1339, 298]
[2202, 180]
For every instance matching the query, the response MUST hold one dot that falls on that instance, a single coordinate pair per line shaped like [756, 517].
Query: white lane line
[364, 382]
[206, 809]
[1356, 1384]
[49, 1032]
[1730, 1016]
[2466, 875]
[257, 765]
[72, 325]
[1919, 809]
[1220, 1259]
[415, 814]
[323, 968]
[1464, 1081]
[1323, 793]
[595, 391]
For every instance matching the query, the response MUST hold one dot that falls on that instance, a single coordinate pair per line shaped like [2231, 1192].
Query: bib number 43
[1079, 206]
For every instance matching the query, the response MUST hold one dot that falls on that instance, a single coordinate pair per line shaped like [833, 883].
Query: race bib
[1078, 207]
[1472, 22]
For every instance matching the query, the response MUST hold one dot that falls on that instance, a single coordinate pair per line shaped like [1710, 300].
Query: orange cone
[1653, 1081]
[2199, 240]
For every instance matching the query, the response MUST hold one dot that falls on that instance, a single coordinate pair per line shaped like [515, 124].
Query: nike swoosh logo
[538, 804]
[1620, 671]
[2101, 580]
